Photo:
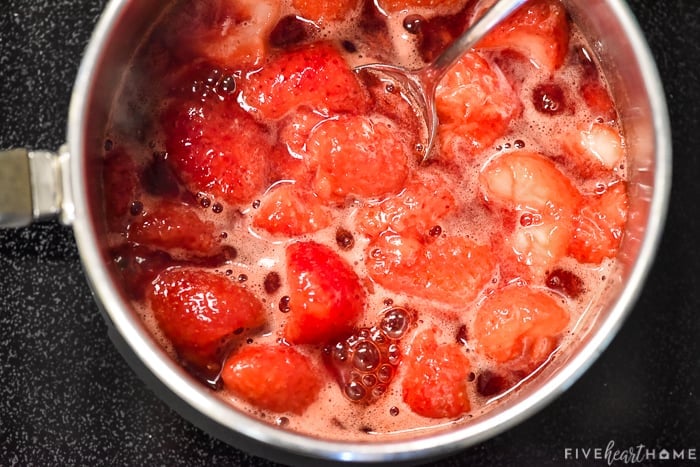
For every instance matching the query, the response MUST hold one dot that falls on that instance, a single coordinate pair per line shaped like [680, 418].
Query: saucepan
[36, 185]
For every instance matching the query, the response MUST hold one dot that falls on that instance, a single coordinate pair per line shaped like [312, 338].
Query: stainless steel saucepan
[40, 184]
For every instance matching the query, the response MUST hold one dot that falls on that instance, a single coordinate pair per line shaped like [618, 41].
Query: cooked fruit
[326, 297]
[520, 325]
[356, 156]
[199, 311]
[313, 75]
[539, 30]
[435, 383]
[272, 377]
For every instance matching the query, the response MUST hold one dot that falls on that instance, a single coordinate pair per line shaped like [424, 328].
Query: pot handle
[34, 186]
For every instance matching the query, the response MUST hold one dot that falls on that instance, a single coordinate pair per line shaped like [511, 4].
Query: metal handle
[33, 187]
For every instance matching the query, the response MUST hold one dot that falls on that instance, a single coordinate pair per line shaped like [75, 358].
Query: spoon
[420, 85]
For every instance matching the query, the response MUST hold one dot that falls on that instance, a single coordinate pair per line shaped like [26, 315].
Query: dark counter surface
[68, 398]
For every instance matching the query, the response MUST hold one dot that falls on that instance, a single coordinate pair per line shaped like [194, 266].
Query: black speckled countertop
[68, 398]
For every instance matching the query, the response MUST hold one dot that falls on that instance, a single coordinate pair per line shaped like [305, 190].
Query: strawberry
[326, 298]
[539, 30]
[418, 208]
[529, 186]
[313, 75]
[435, 383]
[598, 100]
[227, 32]
[519, 325]
[600, 225]
[174, 227]
[451, 270]
[272, 377]
[475, 104]
[356, 156]
[321, 11]
[595, 145]
[120, 179]
[290, 211]
[199, 311]
[288, 158]
[216, 147]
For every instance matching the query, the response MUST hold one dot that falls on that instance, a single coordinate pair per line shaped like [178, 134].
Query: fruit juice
[273, 223]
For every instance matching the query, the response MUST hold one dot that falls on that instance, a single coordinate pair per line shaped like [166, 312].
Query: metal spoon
[419, 85]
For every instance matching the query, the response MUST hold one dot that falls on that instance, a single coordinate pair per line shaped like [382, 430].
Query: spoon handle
[496, 14]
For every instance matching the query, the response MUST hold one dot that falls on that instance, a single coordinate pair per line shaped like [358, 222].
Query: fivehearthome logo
[630, 455]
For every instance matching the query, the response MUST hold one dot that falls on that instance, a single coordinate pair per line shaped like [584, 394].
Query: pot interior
[630, 71]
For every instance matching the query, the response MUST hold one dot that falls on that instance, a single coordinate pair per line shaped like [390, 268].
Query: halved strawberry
[539, 30]
[451, 270]
[216, 147]
[600, 225]
[475, 104]
[313, 75]
[322, 10]
[418, 208]
[174, 227]
[595, 145]
[543, 200]
[435, 383]
[356, 156]
[520, 325]
[290, 211]
[199, 311]
[326, 297]
[272, 377]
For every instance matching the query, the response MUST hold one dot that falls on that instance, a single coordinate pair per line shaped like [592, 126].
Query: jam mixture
[272, 223]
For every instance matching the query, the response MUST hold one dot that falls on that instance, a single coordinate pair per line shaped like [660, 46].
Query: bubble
[369, 380]
[355, 391]
[394, 354]
[282, 421]
[378, 390]
[385, 373]
[395, 323]
[284, 304]
[344, 239]
[412, 23]
[366, 356]
[136, 208]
